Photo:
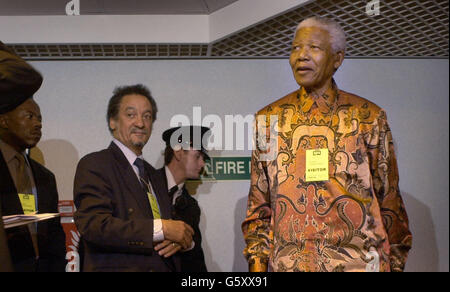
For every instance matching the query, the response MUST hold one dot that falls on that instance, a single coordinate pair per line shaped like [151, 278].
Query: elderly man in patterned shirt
[329, 199]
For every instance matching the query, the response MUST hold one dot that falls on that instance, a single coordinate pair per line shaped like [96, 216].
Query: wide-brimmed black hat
[187, 137]
[18, 80]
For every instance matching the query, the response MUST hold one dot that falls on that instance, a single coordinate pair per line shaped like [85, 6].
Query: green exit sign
[227, 168]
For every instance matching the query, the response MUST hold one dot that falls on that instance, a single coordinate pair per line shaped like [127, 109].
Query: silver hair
[337, 34]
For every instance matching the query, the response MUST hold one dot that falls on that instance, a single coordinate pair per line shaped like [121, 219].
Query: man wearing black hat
[26, 186]
[184, 158]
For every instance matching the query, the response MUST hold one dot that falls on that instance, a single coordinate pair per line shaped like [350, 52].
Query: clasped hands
[178, 236]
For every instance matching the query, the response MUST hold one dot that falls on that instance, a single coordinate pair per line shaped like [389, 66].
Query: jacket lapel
[8, 192]
[132, 182]
[41, 184]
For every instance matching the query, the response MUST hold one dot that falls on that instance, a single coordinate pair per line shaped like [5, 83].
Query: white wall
[415, 94]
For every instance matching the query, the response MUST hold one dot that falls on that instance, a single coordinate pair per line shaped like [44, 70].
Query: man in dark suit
[123, 209]
[184, 158]
[5, 258]
[25, 185]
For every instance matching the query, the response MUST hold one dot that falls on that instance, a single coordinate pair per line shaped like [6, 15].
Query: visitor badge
[28, 203]
[316, 165]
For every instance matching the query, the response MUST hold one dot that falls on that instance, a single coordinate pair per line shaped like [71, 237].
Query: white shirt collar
[9, 152]
[171, 180]
[171, 183]
[130, 155]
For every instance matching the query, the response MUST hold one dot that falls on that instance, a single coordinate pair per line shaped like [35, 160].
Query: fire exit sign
[227, 168]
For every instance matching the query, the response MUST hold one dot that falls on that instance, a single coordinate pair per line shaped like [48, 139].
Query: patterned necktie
[143, 178]
[23, 179]
[145, 182]
[24, 187]
[172, 192]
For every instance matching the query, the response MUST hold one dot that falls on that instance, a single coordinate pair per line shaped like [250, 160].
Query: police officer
[185, 157]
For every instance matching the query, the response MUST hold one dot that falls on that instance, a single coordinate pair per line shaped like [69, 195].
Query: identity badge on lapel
[152, 199]
[317, 165]
[28, 203]
[154, 205]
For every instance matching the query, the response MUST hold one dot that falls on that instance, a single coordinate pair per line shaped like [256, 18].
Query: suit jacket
[51, 237]
[5, 258]
[114, 216]
[187, 210]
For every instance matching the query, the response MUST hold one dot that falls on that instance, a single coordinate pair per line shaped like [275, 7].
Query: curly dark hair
[120, 92]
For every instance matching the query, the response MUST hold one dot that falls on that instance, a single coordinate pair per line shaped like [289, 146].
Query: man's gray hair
[337, 34]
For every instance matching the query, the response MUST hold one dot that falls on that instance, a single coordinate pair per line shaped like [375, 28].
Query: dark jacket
[51, 237]
[114, 216]
[5, 258]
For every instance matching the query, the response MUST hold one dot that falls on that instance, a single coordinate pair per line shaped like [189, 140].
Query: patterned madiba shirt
[355, 220]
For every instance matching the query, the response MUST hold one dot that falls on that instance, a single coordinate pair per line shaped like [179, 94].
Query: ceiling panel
[404, 28]
[113, 7]
[30, 7]
[214, 5]
[130, 7]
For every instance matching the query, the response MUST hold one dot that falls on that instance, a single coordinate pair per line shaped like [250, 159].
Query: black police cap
[187, 137]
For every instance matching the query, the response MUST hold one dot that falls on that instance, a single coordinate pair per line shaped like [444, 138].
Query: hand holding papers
[18, 220]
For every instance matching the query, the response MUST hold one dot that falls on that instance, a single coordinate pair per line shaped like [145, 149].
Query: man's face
[133, 124]
[312, 59]
[22, 126]
[193, 162]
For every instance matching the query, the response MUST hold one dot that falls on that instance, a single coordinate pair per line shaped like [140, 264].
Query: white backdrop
[414, 92]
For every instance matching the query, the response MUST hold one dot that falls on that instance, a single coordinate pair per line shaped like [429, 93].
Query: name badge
[317, 165]
[154, 206]
[28, 203]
